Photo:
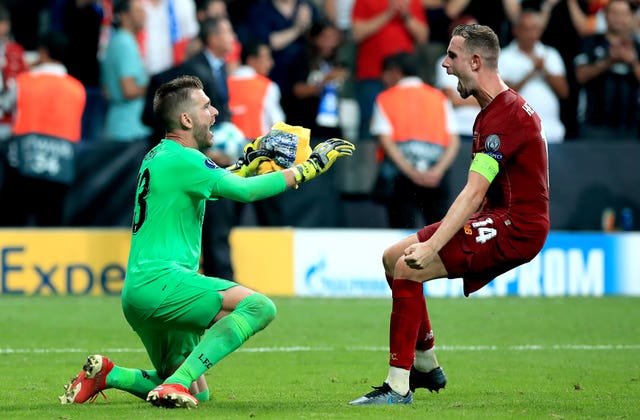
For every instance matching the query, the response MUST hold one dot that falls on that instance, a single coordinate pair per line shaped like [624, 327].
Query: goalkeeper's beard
[203, 137]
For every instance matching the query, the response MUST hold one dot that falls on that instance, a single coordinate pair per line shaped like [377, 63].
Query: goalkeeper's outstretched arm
[253, 188]
[320, 160]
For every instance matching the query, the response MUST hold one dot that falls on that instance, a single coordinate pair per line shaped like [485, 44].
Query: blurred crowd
[322, 64]
[575, 61]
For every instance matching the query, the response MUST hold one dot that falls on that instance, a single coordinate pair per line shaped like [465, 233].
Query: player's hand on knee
[418, 256]
[322, 158]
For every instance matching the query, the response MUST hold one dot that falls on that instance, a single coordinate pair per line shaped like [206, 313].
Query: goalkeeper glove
[251, 159]
[321, 159]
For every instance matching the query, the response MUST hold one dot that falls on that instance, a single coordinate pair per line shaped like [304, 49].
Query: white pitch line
[526, 347]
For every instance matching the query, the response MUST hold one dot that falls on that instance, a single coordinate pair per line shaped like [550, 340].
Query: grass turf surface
[569, 358]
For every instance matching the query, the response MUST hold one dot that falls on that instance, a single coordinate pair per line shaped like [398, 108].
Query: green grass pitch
[558, 358]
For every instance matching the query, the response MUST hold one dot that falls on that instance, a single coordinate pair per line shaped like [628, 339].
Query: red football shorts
[484, 248]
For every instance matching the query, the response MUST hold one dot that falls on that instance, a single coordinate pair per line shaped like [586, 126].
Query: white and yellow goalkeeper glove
[321, 159]
[289, 143]
[253, 156]
[282, 147]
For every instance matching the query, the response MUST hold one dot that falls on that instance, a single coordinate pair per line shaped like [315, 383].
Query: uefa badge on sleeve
[492, 143]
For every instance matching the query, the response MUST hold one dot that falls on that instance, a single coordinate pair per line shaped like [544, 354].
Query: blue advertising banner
[348, 263]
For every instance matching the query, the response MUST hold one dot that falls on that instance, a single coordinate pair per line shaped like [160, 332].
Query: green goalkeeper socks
[203, 395]
[135, 381]
[251, 315]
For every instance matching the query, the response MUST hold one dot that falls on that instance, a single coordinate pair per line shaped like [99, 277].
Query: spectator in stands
[28, 21]
[419, 137]
[254, 101]
[609, 70]
[49, 105]
[428, 54]
[239, 11]
[209, 9]
[209, 65]
[82, 23]
[439, 21]
[380, 29]
[564, 29]
[284, 25]
[465, 110]
[536, 72]
[317, 81]
[499, 15]
[124, 79]
[12, 63]
[339, 12]
[169, 26]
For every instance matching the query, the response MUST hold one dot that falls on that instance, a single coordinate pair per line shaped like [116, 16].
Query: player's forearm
[467, 203]
[246, 190]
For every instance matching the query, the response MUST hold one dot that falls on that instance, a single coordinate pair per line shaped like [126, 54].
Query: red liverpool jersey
[510, 131]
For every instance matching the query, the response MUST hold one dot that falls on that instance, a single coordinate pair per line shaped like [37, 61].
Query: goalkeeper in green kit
[186, 321]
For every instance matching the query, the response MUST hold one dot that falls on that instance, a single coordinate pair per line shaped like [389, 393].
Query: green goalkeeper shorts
[189, 302]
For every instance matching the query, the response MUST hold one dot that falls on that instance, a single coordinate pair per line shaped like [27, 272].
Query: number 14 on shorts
[484, 233]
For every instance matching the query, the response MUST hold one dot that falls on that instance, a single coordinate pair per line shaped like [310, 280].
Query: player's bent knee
[389, 258]
[258, 310]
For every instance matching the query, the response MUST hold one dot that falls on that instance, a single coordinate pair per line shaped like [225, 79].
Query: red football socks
[425, 333]
[407, 316]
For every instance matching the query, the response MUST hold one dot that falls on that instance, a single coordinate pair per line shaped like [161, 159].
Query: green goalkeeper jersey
[174, 183]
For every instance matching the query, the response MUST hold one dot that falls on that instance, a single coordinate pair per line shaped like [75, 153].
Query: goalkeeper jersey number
[173, 184]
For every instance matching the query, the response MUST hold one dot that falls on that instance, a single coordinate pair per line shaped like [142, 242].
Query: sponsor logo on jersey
[496, 155]
[210, 164]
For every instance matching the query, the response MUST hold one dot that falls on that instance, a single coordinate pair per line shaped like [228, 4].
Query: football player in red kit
[499, 220]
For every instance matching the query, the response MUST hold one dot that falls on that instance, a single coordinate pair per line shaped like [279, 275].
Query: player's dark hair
[481, 40]
[171, 98]
[403, 61]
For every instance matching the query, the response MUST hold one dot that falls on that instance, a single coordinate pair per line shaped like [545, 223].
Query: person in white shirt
[536, 71]
[169, 26]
